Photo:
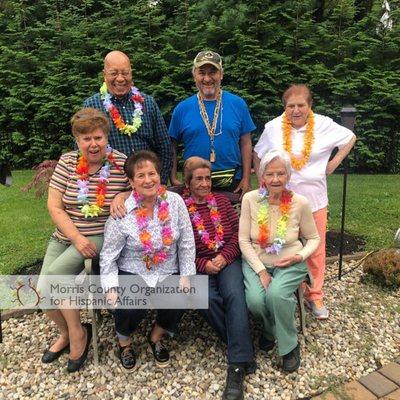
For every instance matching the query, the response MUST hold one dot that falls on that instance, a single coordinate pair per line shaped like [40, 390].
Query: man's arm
[246, 149]
[340, 156]
[174, 169]
[256, 165]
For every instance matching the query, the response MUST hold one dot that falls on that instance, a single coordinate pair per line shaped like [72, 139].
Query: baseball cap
[208, 57]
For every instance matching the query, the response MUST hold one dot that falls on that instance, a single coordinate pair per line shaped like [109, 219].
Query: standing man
[214, 124]
[135, 119]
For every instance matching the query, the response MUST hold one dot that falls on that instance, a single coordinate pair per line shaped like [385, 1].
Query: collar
[122, 99]
[131, 204]
[197, 95]
[302, 129]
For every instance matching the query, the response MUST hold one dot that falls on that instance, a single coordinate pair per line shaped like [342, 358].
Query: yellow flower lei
[298, 163]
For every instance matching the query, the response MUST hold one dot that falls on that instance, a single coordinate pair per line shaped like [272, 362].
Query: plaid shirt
[152, 135]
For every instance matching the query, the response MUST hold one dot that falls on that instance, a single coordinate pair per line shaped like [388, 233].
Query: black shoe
[75, 365]
[234, 383]
[250, 367]
[50, 356]
[127, 356]
[160, 353]
[266, 344]
[291, 361]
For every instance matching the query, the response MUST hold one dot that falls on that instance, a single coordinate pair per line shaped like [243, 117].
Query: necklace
[82, 169]
[138, 101]
[298, 163]
[282, 224]
[152, 256]
[198, 222]
[211, 128]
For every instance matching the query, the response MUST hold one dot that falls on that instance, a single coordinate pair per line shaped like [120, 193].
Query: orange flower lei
[262, 219]
[82, 170]
[298, 163]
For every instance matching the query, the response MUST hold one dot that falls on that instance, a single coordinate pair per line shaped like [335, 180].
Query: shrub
[384, 266]
[41, 180]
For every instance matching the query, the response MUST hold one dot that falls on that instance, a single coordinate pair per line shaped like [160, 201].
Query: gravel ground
[362, 333]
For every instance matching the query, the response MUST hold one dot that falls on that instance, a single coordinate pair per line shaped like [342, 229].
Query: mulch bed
[351, 243]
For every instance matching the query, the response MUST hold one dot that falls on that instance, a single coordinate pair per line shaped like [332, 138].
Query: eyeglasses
[270, 175]
[114, 73]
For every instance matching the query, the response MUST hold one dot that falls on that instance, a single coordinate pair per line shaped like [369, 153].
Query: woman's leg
[77, 334]
[316, 262]
[281, 304]
[54, 250]
[231, 288]
[215, 313]
[255, 298]
[64, 259]
[126, 322]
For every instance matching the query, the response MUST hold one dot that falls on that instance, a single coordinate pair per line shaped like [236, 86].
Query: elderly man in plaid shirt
[135, 119]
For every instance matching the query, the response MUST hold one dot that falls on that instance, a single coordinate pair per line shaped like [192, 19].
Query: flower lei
[298, 163]
[198, 222]
[262, 220]
[82, 169]
[138, 101]
[152, 256]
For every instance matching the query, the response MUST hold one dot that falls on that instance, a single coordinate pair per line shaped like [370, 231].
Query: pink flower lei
[198, 222]
[152, 256]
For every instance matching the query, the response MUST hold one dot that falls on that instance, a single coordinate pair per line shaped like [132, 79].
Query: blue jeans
[227, 312]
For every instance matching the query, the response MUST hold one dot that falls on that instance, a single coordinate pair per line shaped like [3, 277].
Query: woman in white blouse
[152, 241]
[309, 140]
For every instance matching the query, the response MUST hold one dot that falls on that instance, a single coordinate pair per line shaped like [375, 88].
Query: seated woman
[80, 192]
[153, 240]
[271, 222]
[215, 225]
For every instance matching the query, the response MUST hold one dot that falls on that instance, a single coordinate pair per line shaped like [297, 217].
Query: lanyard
[210, 128]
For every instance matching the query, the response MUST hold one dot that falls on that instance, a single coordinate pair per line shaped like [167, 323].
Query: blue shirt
[152, 135]
[234, 121]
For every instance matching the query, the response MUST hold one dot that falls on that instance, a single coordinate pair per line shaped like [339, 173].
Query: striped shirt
[65, 179]
[230, 222]
[152, 135]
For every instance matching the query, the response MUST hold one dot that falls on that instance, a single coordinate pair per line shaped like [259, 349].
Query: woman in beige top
[273, 256]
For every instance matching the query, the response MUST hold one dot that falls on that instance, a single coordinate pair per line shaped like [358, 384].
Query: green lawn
[372, 207]
[372, 211]
[25, 225]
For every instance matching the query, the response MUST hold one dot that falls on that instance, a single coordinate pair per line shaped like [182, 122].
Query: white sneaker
[318, 309]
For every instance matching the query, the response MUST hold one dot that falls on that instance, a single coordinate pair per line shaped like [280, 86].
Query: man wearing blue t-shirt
[214, 124]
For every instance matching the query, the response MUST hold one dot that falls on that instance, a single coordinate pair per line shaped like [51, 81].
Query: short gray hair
[273, 155]
[191, 164]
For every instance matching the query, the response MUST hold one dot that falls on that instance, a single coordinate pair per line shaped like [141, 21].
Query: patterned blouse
[122, 249]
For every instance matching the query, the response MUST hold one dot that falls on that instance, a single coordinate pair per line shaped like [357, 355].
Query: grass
[25, 225]
[372, 207]
[372, 201]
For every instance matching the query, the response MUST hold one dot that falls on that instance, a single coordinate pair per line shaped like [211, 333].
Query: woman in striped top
[80, 193]
[215, 225]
